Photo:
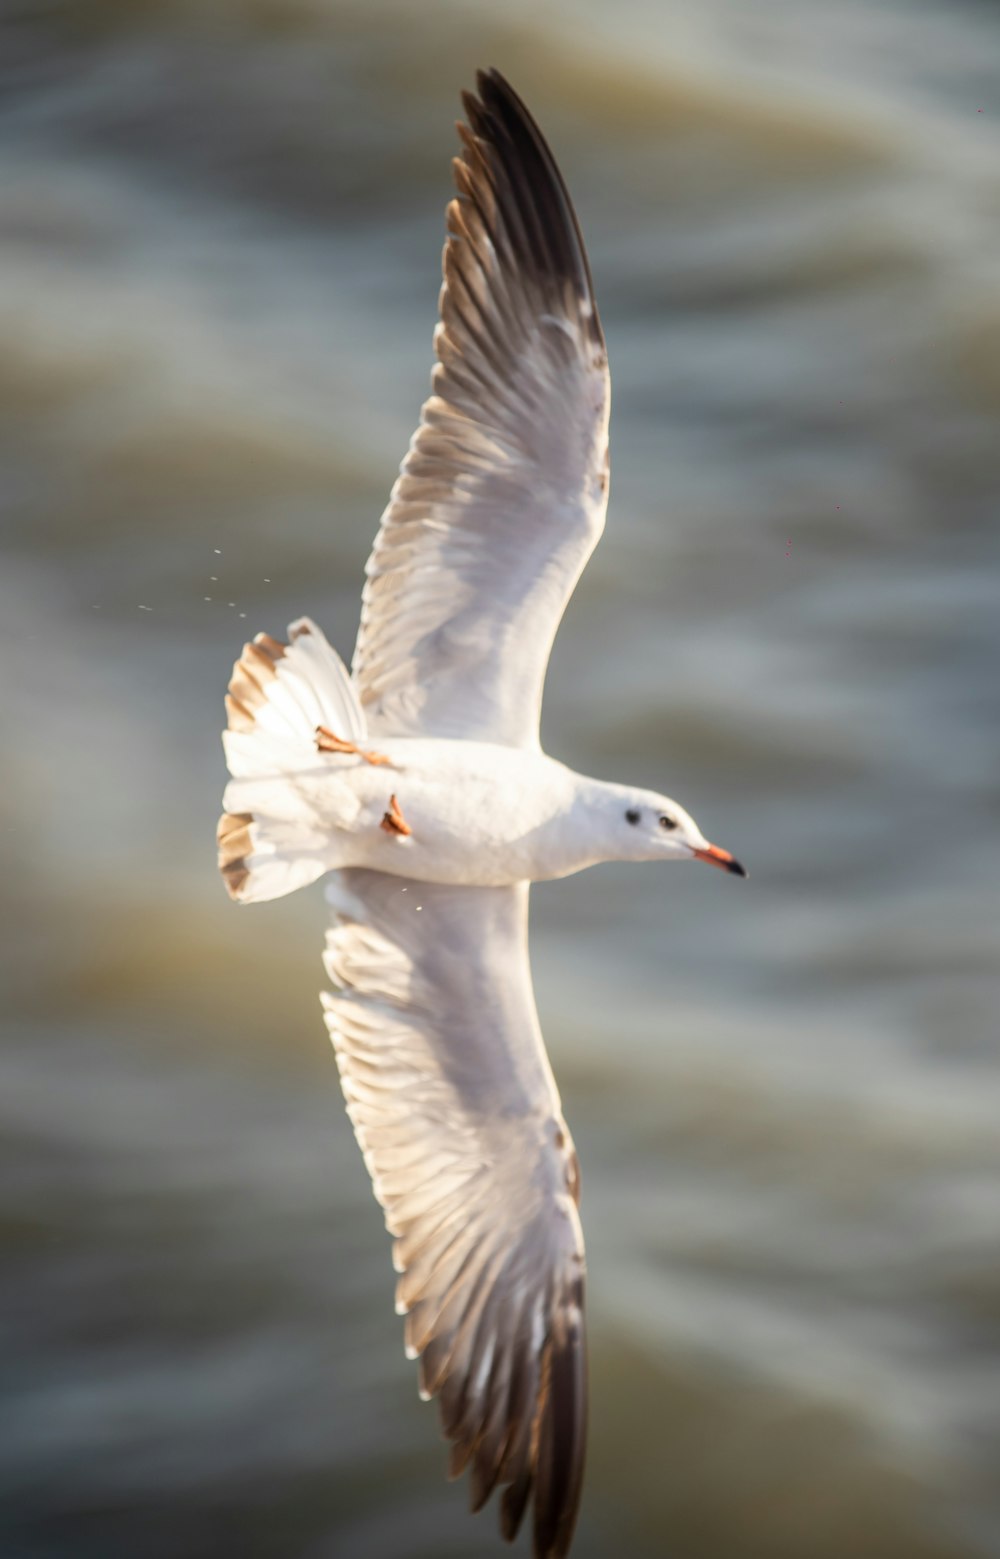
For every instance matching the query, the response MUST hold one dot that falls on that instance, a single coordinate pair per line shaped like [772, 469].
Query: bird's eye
[632, 815]
[667, 822]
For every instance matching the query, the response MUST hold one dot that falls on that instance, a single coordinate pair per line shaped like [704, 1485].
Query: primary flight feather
[418, 780]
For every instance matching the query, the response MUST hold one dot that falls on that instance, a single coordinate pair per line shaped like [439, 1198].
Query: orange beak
[722, 858]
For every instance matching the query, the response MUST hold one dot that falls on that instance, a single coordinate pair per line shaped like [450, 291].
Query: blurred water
[219, 238]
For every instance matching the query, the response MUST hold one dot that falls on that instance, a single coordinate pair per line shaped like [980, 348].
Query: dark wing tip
[533, 202]
[562, 1438]
[538, 1457]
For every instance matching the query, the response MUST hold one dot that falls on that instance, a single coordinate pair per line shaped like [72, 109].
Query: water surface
[219, 256]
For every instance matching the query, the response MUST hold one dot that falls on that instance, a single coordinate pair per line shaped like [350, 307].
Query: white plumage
[420, 783]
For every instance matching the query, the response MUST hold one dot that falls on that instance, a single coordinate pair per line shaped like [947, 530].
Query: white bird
[435, 838]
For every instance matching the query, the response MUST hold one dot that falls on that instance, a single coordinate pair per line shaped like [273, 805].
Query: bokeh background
[220, 227]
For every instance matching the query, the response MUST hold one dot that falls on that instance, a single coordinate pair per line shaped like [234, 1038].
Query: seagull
[419, 783]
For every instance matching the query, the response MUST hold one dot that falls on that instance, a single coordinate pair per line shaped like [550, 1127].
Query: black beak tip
[736, 869]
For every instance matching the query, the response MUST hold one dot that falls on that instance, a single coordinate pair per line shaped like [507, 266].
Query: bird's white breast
[480, 814]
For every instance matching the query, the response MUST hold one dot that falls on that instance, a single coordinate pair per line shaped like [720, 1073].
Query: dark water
[219, 238]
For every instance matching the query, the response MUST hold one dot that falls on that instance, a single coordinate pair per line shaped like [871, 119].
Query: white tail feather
[284, 804]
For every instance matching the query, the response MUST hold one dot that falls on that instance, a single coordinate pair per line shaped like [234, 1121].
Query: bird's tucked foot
[327, 742]
[393, 821]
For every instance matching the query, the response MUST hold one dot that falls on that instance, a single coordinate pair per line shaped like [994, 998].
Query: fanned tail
[284, 806]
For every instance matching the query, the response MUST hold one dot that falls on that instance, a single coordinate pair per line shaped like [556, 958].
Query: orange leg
[394, 822]
[327, 742]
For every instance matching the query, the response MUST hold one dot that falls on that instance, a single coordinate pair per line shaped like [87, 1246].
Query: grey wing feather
[454, 1106]
[501, 498]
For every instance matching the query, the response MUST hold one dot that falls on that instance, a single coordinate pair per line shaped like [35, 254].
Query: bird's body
[481, 815]
[418, 782]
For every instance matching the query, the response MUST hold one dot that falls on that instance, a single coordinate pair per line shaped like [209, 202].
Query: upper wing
[501, 498]
[453, 1102]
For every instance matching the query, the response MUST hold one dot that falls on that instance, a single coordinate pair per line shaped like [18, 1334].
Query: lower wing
[454, 1105]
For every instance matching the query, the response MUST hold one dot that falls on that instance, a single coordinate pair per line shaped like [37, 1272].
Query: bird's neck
[595, 822]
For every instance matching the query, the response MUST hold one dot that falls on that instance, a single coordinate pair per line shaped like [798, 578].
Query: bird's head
[649, 827]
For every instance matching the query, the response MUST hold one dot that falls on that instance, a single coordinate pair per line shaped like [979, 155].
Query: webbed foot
[327, 742]
[393, 821]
